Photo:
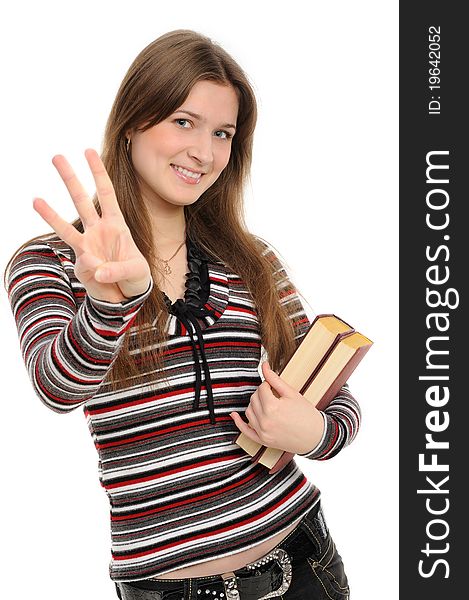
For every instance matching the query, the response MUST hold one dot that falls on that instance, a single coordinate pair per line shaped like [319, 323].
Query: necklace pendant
[167, 268]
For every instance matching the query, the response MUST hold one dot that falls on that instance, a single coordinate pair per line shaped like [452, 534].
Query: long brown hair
[156, 85]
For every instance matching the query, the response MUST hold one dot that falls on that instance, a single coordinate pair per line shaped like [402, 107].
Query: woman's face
[182, 156]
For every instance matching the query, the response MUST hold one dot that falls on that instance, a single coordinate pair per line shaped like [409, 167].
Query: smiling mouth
[186, 174]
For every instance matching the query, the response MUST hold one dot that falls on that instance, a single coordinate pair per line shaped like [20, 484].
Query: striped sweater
[180, 490]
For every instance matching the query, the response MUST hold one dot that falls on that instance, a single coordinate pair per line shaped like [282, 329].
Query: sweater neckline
[196, 284]
[206, 292]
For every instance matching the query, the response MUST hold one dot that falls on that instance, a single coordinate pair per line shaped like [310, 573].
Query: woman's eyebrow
[196, 116]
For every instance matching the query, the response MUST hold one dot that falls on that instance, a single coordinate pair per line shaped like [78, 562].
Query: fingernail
[101, 274]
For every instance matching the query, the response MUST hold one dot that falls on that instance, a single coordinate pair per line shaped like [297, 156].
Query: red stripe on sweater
[217, 279]
[241, 310]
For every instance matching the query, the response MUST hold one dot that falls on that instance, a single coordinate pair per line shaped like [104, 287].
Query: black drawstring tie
[187, 311]
[188, 314]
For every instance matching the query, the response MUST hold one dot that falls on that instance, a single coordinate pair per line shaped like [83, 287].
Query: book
[325, 358]
[336, 369]
[320, 337]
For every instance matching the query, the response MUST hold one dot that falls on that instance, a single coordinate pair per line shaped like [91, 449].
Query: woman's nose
[202, 149]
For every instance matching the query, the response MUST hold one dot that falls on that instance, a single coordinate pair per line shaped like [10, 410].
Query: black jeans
[317, 572]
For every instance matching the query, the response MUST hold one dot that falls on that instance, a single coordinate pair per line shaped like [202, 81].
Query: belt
[268, 577]
[238, 588]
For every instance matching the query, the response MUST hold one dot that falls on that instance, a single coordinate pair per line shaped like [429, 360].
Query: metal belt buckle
[282, 558]
[284, 562]
[231, 588]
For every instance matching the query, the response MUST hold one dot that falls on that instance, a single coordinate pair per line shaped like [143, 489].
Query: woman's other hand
[108, 262]
[284, 420]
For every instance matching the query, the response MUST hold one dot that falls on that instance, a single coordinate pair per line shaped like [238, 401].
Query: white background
[323, 192]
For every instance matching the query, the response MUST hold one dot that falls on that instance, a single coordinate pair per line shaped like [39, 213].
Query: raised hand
[108, 262]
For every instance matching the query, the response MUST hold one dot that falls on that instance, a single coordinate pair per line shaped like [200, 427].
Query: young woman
[151, 311]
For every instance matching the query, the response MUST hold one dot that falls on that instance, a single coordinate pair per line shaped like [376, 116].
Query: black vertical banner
[434, 320]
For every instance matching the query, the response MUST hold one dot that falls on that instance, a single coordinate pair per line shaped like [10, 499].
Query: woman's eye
[226, 135]
[179, 121]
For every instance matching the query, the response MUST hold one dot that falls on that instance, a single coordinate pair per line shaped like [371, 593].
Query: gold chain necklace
[167, 268]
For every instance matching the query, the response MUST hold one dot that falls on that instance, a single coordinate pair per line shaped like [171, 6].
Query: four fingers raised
[83, 203]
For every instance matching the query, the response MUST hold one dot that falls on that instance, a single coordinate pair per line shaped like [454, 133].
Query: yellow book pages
[337, 360]
[316, 343]
[250, 446]
[270, 456]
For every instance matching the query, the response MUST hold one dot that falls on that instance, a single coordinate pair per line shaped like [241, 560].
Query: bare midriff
[217, 566]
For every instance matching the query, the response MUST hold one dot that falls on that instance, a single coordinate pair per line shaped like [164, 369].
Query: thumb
[131, 271]
[275, 381]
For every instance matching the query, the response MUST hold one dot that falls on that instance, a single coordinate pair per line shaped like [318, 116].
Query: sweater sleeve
[68, 347]
[341, 423]
[342, 416]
